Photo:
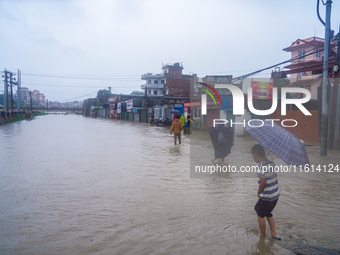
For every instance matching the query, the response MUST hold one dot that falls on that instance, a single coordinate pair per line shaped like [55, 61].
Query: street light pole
[324, 113]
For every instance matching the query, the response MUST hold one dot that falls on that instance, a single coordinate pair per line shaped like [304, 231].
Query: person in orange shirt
[177, 127]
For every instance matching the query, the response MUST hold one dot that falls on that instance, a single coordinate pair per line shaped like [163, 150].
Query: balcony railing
[152, 76]
[152, 86]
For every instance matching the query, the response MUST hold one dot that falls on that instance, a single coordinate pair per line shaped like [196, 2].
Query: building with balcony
[171, 82]
[307, 63]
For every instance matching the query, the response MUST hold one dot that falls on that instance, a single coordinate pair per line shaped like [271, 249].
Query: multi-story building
[42, 99]
[25, 95]
[171, 82]
[307, 63]
[219, 79]
[38, 97]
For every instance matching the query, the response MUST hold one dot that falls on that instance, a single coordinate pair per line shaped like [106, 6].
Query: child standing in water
[268, 191]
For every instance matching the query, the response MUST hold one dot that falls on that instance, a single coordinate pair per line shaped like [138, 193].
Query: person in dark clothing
[222, 140]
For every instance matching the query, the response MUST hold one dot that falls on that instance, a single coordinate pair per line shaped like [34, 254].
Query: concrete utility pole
[31, 101]
[19, 90]
[324, 113]
[146, 104]
[11, 84]
[334, 98]
[5, 92]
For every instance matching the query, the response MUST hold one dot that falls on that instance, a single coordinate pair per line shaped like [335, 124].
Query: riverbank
[11, 117]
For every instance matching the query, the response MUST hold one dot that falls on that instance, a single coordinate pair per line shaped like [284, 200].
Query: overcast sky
[69, 49]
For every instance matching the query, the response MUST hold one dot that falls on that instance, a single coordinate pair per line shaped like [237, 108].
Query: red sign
[262, 90]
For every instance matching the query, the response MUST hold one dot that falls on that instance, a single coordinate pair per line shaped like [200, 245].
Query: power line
[65, 100]
[79, 75]
[87, 77]
[310, 52]
[73, 86]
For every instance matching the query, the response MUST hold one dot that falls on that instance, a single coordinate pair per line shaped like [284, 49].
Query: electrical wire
[80, 75]
[114, 77]
[318, 13]
[71, 86]
[88, 77]
[310, 52]
[70, 99]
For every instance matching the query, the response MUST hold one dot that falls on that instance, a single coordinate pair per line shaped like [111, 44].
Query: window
[162, 81]
[155, 81]
[318, 53]
[301, 74]
[148, 82]
[149, 92]
[155, 91]
[301, 54]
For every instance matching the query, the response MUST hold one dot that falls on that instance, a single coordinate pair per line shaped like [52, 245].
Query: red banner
[262, 90]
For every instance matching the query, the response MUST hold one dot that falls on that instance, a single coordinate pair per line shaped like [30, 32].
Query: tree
[103, 93]
[103, 96]
[137, 92]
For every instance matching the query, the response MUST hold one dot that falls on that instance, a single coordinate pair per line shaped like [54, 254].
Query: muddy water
[75, 185]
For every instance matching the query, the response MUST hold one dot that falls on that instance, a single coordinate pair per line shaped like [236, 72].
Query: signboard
[119, 107]
[197, 104]
[262, 90]
[129, 105]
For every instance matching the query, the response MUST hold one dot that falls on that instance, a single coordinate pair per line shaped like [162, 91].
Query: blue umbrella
[279, 141]
[175, 111]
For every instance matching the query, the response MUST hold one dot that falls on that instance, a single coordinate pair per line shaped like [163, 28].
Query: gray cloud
[124, 39]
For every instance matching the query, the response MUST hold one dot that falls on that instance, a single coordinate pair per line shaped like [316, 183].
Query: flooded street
[75, 185]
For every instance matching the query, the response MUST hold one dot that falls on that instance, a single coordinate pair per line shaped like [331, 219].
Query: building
[305, 70]
[218, 79]
[38, 98]
[307, 63]
[25, 95]
[171, 82]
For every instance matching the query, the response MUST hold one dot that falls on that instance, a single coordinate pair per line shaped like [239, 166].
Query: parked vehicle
[161, 122]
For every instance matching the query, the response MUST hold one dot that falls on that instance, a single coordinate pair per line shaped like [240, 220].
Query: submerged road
[76, 185]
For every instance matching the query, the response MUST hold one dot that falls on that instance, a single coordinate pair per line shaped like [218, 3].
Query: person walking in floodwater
[177, 128]
[222, 140]
[268, 191]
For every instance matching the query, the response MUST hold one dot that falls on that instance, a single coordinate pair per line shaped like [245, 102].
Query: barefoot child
[268, 191]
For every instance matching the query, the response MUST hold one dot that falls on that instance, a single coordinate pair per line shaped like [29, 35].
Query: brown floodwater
[76, 185]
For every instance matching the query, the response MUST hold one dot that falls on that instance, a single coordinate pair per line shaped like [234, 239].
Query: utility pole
[324, 113]
[146, 104]
[5, 92]
[11, 84]
[31, 102]
[334, 97]
[19, 90]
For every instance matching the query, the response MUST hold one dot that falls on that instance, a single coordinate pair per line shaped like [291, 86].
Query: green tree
[137, 92]
[103, 93]
[103, 96]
